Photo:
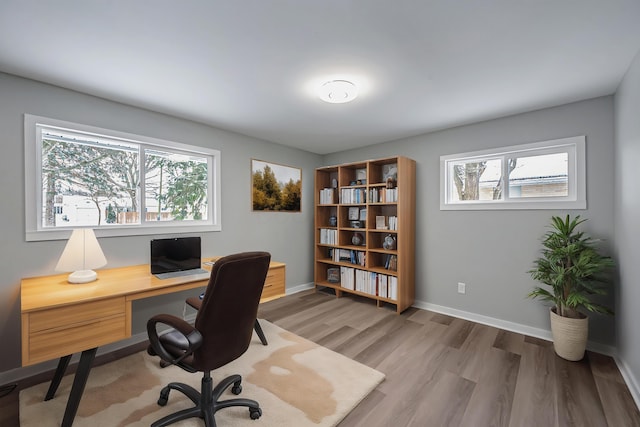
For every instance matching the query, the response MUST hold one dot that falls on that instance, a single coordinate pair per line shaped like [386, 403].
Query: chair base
[206, 401]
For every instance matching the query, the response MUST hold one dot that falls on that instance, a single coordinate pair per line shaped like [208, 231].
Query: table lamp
[81, 255]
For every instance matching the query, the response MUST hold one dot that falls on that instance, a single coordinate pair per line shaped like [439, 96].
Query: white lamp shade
[81, 254]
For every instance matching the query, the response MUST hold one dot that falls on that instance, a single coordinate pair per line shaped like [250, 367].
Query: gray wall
[241, 228]
[491, 251]
[627, 108]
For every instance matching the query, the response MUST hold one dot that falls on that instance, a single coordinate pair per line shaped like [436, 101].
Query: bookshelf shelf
[374, 200]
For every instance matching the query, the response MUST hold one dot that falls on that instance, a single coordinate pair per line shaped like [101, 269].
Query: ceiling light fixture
[338, 91]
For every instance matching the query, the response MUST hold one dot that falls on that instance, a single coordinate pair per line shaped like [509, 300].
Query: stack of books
[381, 222]
[348, 255]
[353, 195]
[326, 196]
[383, 195]
[368, 282]
[328, 236]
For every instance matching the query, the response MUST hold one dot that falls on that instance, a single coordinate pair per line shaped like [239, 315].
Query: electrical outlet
[462, 288]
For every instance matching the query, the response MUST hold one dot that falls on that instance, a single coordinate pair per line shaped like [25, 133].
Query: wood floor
[444, 371]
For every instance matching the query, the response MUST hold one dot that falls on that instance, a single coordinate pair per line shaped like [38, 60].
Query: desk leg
[57, 377]
[79, 382]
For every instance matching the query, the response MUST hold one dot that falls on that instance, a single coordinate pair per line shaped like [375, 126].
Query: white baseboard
[509, 326]
[486, 320]
[632, 382]
[299, 288]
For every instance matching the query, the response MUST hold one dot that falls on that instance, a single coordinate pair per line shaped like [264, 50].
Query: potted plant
[574, 270]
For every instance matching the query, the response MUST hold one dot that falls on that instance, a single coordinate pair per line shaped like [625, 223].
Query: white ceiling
[249, 66]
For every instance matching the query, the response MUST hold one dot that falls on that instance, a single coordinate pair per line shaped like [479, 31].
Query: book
[347, 277]
[354, 214]
[393, 288]
[391, 262]
[326, 196]
[333, 275]
[393, 222]
[328, 236]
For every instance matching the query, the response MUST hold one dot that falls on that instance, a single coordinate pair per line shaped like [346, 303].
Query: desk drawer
[274, 284]
[64, 317]
[65, 330]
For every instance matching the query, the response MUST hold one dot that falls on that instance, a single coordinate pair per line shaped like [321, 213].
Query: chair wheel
[164, 397]
[255, 413]
[236, 389]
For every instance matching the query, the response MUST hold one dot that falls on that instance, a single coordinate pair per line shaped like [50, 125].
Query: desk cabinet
[72, 329]
[274, 284]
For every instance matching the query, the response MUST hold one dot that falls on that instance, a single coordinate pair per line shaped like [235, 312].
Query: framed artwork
[390, 174]
[275, 187]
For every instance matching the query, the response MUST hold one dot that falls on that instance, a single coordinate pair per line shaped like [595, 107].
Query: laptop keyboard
[197, 273]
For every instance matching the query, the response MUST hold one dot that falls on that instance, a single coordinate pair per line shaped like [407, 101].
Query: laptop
[177, 257]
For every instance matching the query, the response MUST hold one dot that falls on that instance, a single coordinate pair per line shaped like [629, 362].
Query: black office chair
[221, 333]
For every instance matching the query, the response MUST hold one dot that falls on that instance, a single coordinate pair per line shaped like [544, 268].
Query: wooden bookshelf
[368, 266]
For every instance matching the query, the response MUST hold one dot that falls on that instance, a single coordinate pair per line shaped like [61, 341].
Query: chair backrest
[229, 308]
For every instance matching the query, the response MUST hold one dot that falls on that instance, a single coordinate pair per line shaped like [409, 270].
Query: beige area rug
[297, 383]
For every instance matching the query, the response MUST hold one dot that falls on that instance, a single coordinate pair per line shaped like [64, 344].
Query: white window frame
[576, 198]
[34, 231]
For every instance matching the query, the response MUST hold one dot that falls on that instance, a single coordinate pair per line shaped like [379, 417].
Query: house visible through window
[543, 175]
[120, 183]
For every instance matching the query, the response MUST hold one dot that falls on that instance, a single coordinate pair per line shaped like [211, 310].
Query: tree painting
[275, 187]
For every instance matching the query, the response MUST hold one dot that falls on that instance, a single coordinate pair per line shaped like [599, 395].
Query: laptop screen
[175, 254]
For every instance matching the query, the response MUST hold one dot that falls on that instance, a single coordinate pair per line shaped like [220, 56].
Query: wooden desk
[59, 318]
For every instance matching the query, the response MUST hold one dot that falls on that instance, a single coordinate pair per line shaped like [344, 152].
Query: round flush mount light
[338, 91]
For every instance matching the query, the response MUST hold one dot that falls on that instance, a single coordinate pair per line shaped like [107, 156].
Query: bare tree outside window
[539, 175]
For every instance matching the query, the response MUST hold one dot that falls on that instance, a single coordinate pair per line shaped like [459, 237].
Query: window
[543, 175]
[116, 183]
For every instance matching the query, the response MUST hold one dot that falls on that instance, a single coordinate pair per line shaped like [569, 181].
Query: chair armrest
[191, 334]
[194, 302]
